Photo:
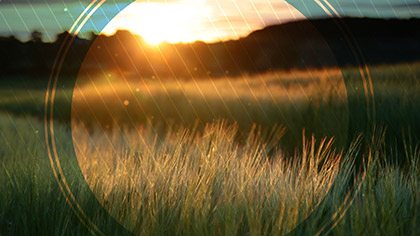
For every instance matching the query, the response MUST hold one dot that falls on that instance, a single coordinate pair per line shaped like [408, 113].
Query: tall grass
[201, 183]
[205, 183]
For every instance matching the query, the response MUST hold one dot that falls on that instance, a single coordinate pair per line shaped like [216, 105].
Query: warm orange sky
[206, 20]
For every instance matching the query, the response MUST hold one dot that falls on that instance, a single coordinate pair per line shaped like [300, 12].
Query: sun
[187, 21]
[157, 22]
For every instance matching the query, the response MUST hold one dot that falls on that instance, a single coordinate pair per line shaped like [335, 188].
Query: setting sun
[158, 22]
[191, 20]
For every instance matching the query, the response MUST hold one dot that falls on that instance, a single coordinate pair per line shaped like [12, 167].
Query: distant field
[294, 101]
[324, 102]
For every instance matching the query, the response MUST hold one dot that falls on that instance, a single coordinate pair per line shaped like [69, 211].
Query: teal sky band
[20, 17]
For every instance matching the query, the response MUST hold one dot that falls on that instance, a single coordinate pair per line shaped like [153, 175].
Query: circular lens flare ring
[49, 119]
[49, 124]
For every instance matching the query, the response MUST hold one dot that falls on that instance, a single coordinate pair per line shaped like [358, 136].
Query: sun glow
[157, 22]
[186, 21]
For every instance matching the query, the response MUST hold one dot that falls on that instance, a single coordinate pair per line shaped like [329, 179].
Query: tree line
[302, 44]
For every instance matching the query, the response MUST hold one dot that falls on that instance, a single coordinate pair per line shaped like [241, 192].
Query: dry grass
[205, 183]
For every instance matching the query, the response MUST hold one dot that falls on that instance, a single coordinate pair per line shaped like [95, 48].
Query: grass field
[199, 185]
[224, 157]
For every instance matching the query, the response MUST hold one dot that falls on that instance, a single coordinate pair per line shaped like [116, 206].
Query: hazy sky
[182, 20]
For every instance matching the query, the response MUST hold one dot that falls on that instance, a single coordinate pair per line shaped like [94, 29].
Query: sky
[183, 20]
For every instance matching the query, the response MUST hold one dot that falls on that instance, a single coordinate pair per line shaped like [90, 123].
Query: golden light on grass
[187, 175]
[186, 178]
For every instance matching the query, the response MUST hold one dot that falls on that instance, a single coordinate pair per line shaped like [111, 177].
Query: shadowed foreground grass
[200, 183]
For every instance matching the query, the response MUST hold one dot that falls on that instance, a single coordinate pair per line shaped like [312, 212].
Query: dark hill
[379, 40]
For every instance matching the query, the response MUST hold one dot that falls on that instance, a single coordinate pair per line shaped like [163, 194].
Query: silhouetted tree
[36, 36]
[61, 37]
[92, 35]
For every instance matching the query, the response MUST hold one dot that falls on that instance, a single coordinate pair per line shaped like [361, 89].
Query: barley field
[263, 155]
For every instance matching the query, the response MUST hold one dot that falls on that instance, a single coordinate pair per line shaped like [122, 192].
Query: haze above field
[224, 19]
